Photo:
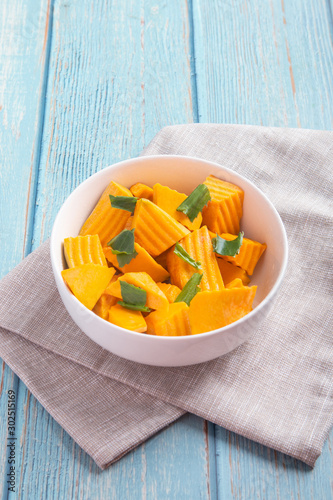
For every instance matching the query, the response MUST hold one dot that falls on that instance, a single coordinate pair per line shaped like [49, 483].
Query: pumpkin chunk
[129, 222]
[87, 282]
[212, 310]
[236, 283]
[199, 246]
[103, 305]
[249, 254]
[155, 230]
[140, 190]
[162, 259]
[230, 272]
[155, 297]
[171, 323]
[84, 250]
[170, 291]
[142, 262]
[105, 220]
[169, 200]
[126, 318]
[223, 213]
[105, 301]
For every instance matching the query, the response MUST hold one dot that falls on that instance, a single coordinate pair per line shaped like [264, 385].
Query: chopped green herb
[225, 247]
[181, 252]
[124, 259]
[123, 202]
[195, 202]
[190, 289]
[132, 294]
[134, 307]
[122, 246]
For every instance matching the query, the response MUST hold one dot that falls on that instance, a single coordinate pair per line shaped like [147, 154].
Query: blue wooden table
[86, 83]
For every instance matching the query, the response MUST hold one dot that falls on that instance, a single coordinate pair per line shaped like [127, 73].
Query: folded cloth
[276, 389]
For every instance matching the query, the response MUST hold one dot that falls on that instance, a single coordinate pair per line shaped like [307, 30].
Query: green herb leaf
[181, 252]
[123, 202]
[225, 247]
[123, 242]
[134, 307]
[190, 289]
[132, 294]
[122, 246]
[195, 202]
[124, 258]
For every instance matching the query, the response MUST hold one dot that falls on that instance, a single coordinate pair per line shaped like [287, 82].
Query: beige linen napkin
[277, 388]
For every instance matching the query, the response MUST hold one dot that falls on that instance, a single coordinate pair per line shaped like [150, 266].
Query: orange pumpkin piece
[162, 259]
[169, 200]
[171, 323]
[84, 250]
[105, 220]
[230, 272]
[105, 301]
[199, 246]
[128, 223]
[126, 318]
[155, 297]
[87, 282]
[249, 254]
[223, 213]
[155, 230]
[142, 262]
[211, 310]
[170, 291]
[103, 305]
[236, 283]
[140, 190]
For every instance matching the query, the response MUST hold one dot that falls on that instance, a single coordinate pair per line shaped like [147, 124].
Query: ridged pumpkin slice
[155, 230]
[212, 310]
[170, 291]
[155, 297]
[126, 318]
[105, 220]
[87, 282]
[142, 262]
[105, 301]
[230, 272]
[169, 200]
[199, 246]
[84, 250]
[171, 323]
[249, 254]
[140, 190]
[223, 213]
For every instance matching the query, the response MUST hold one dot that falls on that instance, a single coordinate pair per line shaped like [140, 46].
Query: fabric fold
[276, 389]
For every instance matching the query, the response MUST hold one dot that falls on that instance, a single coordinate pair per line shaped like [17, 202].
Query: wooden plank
[247, 470]
[265, 63]
[118, 73]
[23, 63]
[23, 36]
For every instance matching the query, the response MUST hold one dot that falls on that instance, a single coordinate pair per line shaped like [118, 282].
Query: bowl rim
[181, 338]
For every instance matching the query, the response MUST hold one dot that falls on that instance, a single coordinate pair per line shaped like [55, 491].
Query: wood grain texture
[24, 63]
[265, 63]
[86, 83]
[116, 75]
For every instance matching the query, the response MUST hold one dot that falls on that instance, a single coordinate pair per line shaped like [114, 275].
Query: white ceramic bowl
[260, 222]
